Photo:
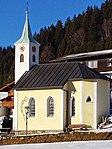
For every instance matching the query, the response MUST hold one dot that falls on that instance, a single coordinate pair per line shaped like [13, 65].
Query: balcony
[8, 103]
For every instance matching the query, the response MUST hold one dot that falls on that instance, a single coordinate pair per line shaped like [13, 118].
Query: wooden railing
[8, 103]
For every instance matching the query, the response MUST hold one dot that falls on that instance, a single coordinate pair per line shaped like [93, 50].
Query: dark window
[21, 58]
[73, 106]
[50, 106]
[33, 48]
[33, 57]
[31, 107]
[89, 99]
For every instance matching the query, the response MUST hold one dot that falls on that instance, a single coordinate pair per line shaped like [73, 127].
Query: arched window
[33, 58]
[73, 106]
[88, 99]
[21, 58]
[50, 106]
[31, 107]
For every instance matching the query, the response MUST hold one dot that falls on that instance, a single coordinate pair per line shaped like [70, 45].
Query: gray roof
[55, 75]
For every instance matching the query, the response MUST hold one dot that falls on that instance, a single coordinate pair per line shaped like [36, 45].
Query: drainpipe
[67, 107]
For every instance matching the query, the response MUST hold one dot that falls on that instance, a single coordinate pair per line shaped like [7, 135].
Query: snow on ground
[64, 145]
[105, 129]
[110, 118]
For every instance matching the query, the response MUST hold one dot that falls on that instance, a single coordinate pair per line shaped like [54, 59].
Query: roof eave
[20, 41]
[39, 88]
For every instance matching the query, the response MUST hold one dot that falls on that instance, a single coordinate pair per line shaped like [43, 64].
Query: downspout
[67, 108]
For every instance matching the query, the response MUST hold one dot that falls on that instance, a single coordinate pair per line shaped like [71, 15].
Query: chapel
[55, 94]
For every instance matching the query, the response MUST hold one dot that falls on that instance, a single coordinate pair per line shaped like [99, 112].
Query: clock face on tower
[22, 48]
[33, 48]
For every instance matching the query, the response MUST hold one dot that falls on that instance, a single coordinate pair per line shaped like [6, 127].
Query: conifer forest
[89, 31]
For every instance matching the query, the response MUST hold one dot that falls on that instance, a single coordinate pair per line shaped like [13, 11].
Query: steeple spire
[27, 34]
[27, 8]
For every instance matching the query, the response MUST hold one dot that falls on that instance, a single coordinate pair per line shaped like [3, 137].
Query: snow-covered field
[64, 145]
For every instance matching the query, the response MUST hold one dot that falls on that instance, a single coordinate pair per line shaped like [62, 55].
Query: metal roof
[55, 75]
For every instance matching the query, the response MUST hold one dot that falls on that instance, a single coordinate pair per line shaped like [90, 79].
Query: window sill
[89, 102]
[31, 117]
[50, 116]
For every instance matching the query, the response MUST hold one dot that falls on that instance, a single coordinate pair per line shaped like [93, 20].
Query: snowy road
[64, 145]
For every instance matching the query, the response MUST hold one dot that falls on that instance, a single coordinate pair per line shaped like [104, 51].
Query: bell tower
[26, 51]
[26, 55]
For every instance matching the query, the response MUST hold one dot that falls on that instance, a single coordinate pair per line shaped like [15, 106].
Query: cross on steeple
[27, 8]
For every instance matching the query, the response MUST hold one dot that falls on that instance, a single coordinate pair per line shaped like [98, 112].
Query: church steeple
[26, 34]
[26, 56]
[26, 51]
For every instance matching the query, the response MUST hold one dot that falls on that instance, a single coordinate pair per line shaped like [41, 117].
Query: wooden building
[8, 102]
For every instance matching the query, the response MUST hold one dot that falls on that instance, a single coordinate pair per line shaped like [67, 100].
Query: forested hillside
[89, 31]
[6, 65]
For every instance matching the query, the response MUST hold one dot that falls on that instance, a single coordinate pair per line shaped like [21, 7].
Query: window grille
[50, 106]
[31, 107]
[73, 106]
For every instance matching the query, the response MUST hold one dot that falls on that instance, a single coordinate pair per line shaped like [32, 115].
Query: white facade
[21, 67]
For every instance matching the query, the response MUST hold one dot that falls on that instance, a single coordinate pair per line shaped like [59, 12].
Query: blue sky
[41, 13]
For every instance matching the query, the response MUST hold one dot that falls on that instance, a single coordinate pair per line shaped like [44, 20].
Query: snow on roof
[3, 95]
[90, 53]
[84, 55]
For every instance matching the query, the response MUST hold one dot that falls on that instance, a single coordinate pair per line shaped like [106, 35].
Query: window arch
[31, 107]
[73, 106]
[21, 58]
[33, 58]
[88, 99]
[50, 106]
